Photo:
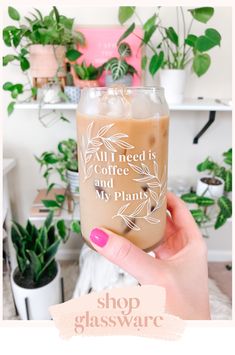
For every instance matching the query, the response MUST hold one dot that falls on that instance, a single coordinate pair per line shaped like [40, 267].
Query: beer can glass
[123, 156]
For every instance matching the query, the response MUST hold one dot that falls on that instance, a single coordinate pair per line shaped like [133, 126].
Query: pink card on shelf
[101, 45]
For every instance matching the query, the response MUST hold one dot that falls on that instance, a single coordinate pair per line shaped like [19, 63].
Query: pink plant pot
[47, 61]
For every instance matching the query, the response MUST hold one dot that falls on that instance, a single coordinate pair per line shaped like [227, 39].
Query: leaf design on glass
[163, 178]
[88, 158]
[136, 168]
[149, 206]
[115, 137]
[154, 195]
[89, 171]
[108, 145]
[143, 179]
[153, 185]
[96, 142]
[92, 150]
[130, 223]
[138, 209]
[145, 169]
[89, 128]
[124, 145]
[123, 208]
[152, 220]
[104, 129]
[155, 167]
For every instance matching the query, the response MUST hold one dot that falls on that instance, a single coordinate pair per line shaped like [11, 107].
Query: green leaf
[148, 34]
[7, 59]
[43, 236]
[189, 197]
[225, 205]
[117, 67]
[51, 204]
[7, 86]
[10, 107]
[124, 50]
[50, 254]
[156, 63]
[228, 157]
[24, 63]
[35, 264]
[49, 219]
[13, 13]
[22, 263]
[124, 13]
[60, 198]
[50, 187]
[150, 22]
[62, 229]
[211, 39]
[73, 54]
[191, 40]
[172, 35]
[198, 215]
[220, 221]
[126, 33]
[205, 201]
[144, 61]
[202, 14]
[75, 226]
[207, 164]
[228, 181]
[50, 158]
[201, 63]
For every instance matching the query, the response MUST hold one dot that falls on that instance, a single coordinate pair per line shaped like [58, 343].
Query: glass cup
[123, 156]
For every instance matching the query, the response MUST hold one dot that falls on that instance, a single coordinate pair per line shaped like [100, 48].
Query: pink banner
[138, 310]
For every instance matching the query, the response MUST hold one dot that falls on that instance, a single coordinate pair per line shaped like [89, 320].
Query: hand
[179, 265]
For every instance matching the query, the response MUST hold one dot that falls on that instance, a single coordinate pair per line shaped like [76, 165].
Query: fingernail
[99, 237]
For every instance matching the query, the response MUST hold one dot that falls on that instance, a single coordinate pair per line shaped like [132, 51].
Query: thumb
[125, 254]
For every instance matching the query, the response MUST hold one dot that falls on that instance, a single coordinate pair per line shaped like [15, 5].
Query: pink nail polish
[99, 237]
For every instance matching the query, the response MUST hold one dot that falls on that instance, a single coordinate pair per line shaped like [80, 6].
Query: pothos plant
[221, 209]
[174, 51]
[54, 163]
[118, 66]
[53, 29]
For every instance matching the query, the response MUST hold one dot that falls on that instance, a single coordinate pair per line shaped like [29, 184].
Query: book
[38, 209]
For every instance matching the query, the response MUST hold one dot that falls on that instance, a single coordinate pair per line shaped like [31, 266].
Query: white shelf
[186, 105]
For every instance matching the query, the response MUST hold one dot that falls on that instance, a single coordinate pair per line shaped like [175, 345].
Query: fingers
[123, 253]
[180, 215]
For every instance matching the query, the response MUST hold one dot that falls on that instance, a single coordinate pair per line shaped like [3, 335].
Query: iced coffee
[123, 154]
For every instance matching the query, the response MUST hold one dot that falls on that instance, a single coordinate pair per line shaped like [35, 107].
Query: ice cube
[142, 106]
[115, 107]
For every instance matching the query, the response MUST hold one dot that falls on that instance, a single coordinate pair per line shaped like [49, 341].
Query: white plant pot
[212, 191]
[73, 178]
[39, 299]
[173, 81]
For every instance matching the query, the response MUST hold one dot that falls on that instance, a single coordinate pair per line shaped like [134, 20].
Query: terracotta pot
[86, 83]
[45, 61]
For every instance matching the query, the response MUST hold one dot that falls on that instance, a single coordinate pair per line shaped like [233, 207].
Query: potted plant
[218, 177]
[86, 75]
[171, 53]
[118, 70]
[63, 162]
[211, 204]
[36, 283]
[71, 91]
[40, 44]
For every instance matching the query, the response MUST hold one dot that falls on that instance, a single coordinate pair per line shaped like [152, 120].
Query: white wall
[24, 136]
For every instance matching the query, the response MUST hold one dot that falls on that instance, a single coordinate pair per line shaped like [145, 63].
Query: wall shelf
[210, 105]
